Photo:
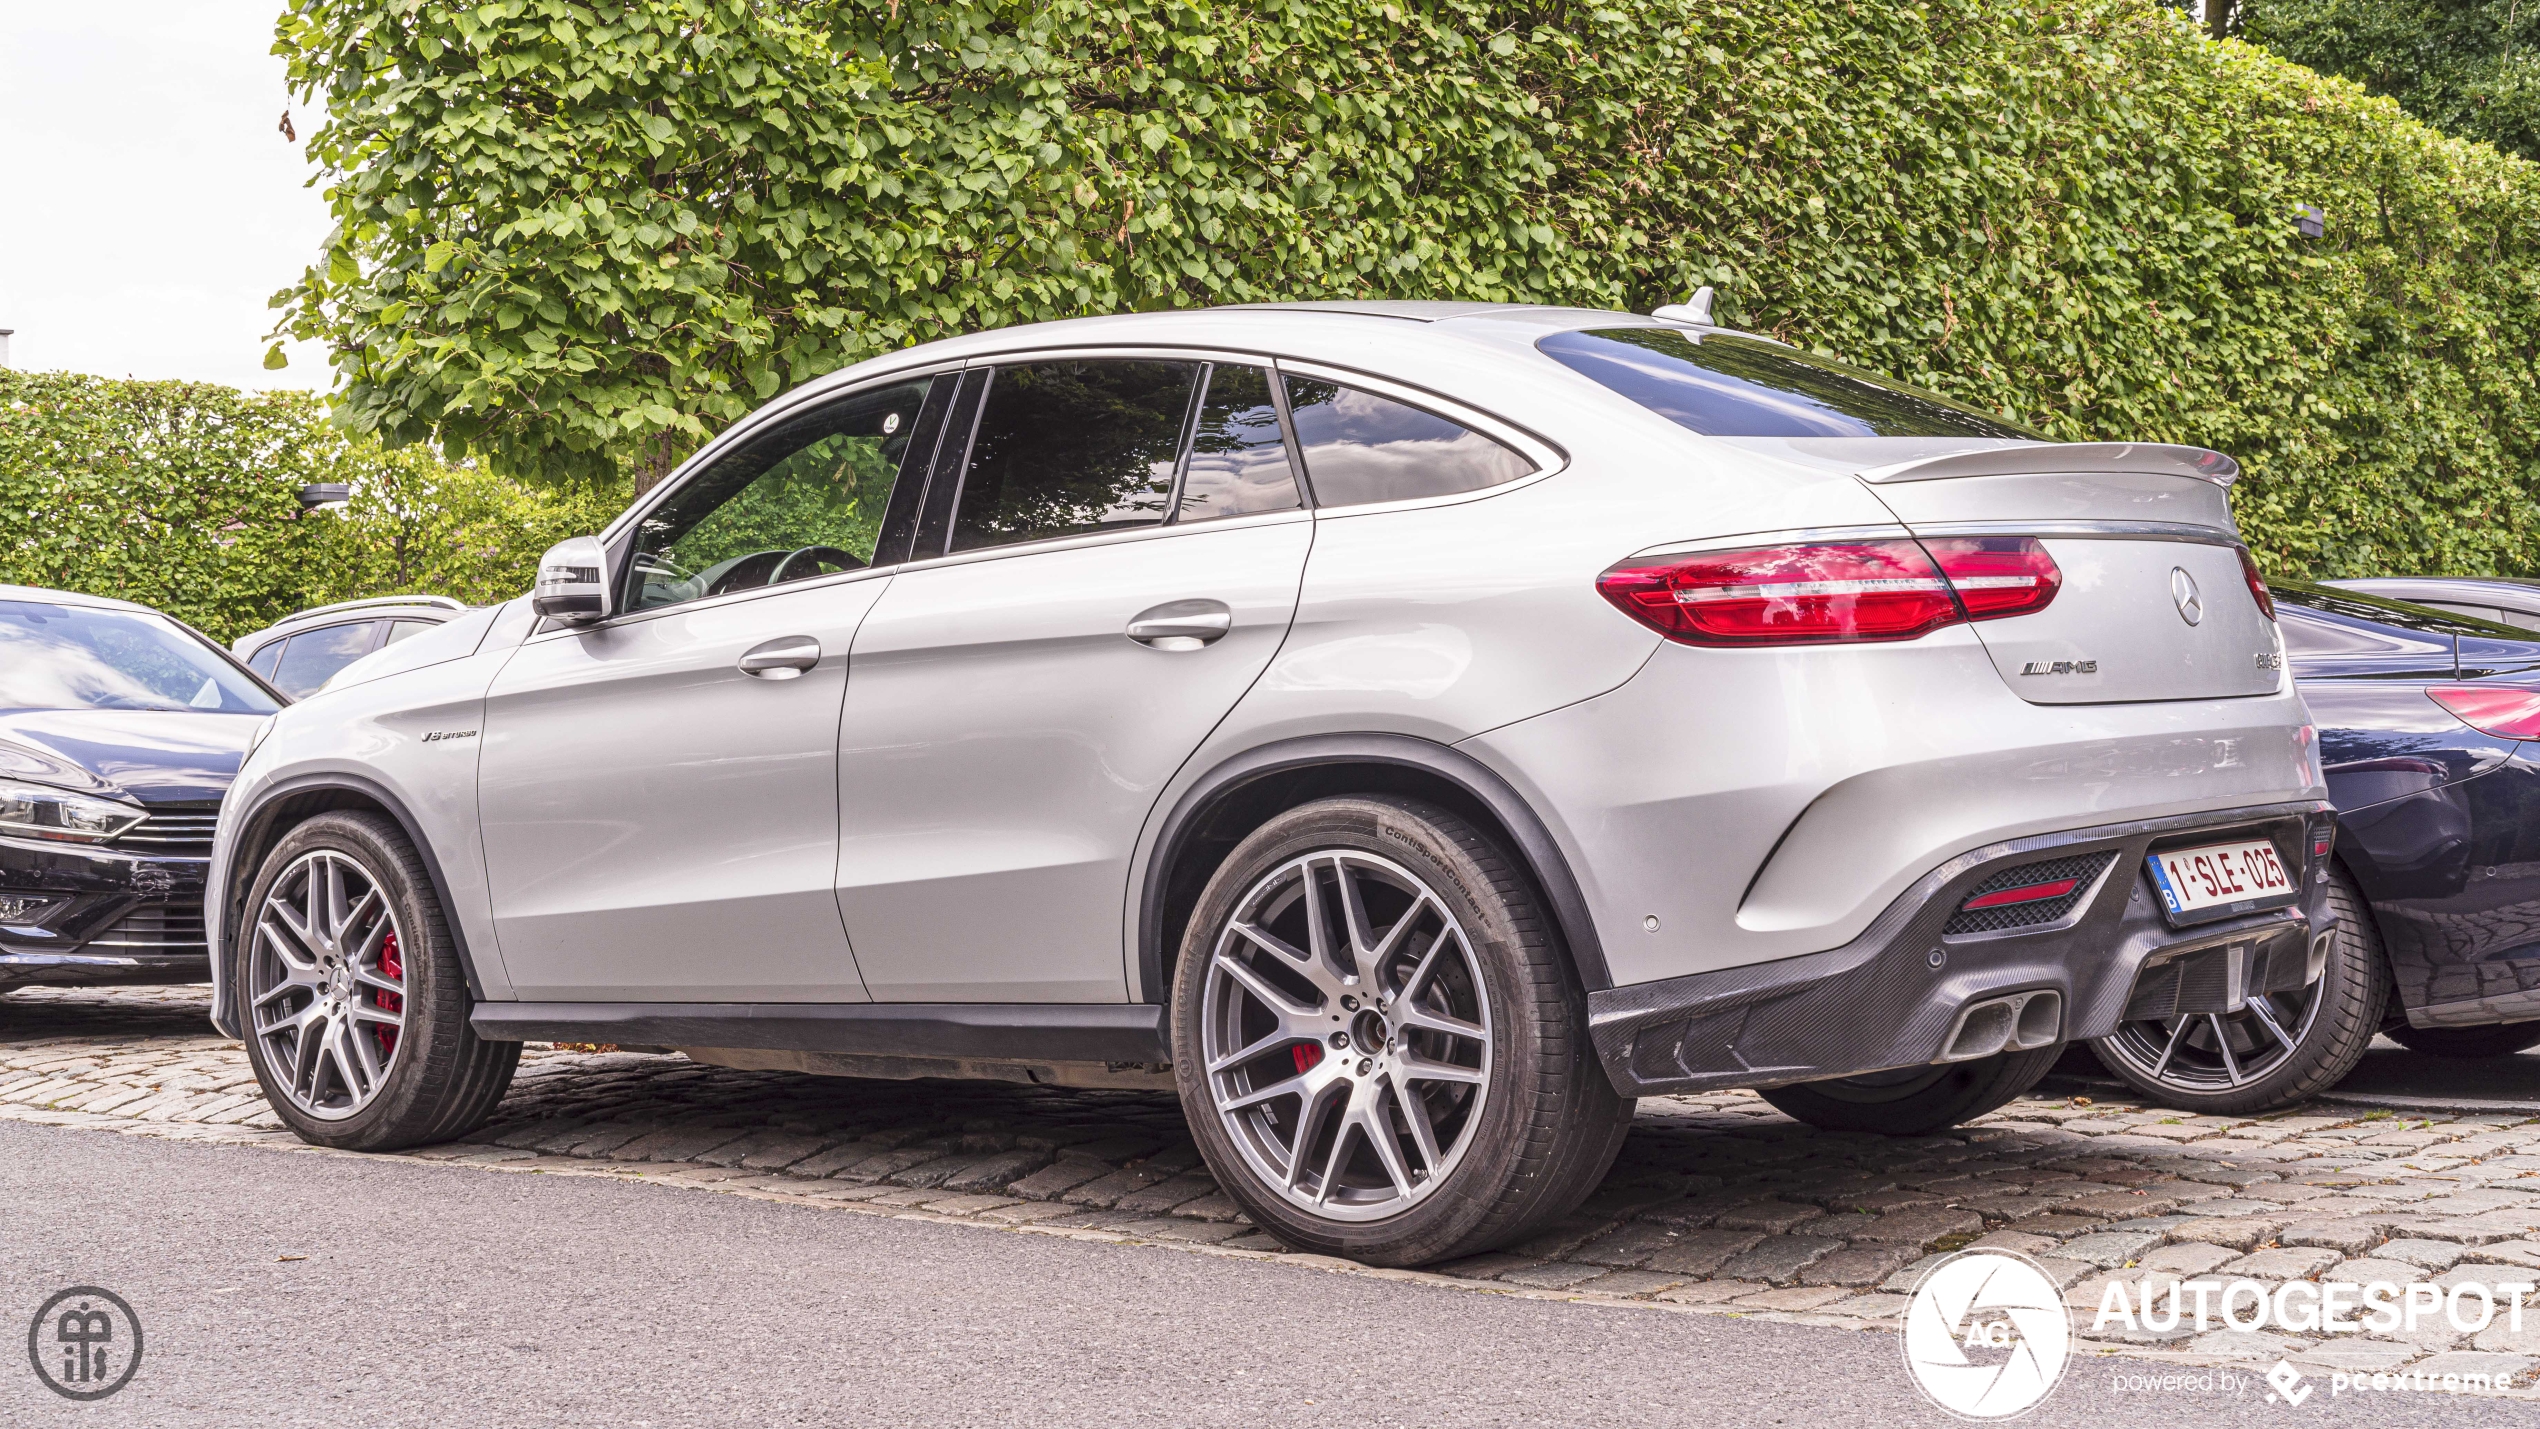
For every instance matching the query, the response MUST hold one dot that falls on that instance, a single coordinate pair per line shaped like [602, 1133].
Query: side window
[1064, 448]
[1359, 447]
[399, 630]
[1238, 461]
[314, 656]
[804, 498]
[262, 661]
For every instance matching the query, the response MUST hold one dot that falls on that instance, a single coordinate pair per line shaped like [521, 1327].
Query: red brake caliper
[390, 964]
[1308, 1055]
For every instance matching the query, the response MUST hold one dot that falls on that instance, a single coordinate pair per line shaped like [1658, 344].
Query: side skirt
[951, 1032]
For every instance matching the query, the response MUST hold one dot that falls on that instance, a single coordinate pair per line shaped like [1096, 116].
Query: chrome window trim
[1086, 539]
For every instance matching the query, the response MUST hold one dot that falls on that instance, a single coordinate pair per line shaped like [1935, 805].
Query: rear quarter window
[1360, 447]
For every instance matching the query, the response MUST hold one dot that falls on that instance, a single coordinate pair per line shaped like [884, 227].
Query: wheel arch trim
[254, 826]
[1535, 846]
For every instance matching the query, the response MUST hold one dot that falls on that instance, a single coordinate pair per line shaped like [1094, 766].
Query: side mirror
[573, 585]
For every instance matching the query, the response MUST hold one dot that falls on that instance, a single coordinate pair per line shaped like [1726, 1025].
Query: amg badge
[2060, 667]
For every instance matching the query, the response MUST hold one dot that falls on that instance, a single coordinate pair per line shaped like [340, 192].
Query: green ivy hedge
[578, 238]
[184, 496]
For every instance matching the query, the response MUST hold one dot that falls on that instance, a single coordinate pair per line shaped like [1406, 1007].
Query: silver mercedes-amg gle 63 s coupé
[1411, 731]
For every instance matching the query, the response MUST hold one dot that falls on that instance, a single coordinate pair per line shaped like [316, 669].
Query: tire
[353, 998]
[1514, 1126]
[2469, 1043]
[2329, 1025]
[1917, 1100]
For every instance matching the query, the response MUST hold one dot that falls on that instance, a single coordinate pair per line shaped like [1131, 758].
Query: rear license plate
[2218, 880]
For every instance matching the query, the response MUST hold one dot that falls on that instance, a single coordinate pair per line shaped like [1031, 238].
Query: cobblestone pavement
[1719, 1204]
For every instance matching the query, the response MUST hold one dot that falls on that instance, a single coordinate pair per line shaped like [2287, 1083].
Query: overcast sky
[148, 205]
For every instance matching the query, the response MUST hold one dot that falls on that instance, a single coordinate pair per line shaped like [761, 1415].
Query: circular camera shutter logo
[1987, 1335]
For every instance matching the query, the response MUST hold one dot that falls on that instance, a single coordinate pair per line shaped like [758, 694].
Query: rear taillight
[2500, 710]
[1850, 591]
[1786, 595]
[2257, 583]
[1997, 576]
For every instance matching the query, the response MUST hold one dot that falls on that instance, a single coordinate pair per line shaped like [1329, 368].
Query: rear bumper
[108, 917]
[1894, 996]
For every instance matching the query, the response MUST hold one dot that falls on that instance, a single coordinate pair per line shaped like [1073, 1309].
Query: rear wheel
[1914, 1101]
[355, 1004]
[1381, 1051]
[2502, 1040]
[2281, 1047]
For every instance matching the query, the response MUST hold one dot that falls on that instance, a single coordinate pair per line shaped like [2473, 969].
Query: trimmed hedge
[184, 496]
[579, 238]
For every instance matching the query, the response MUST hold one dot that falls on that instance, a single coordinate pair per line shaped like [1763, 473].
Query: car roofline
[374, 602]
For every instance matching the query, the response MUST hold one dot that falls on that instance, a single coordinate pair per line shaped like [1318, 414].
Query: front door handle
[782, 658]
[1182, 624]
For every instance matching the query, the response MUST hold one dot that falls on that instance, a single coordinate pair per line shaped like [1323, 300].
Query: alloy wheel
[1347, 1035]
[2209, 1052]
[327, 984]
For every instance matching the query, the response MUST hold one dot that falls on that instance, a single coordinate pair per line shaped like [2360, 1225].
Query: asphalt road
[439, 1295]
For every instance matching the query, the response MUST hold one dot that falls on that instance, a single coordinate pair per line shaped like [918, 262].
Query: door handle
[782, 658]
[1181, 624]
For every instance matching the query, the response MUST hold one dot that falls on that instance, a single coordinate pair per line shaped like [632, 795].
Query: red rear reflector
[1786, 595]
[2319, 848]
[2031, 893]
[1997, 576]
[2500, 710]
[2257, 583]
[1307, 1055]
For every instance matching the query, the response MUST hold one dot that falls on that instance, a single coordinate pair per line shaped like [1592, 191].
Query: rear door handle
[1181, 624]
[782, 658]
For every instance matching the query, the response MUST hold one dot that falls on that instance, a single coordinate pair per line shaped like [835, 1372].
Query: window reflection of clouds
[1360, 447]
[63, 657]
[1238, 463]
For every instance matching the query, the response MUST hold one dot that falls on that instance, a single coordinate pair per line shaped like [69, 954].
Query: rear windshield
[1722, 385]
[73, 657]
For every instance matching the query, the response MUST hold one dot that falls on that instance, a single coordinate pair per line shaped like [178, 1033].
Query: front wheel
[1381, 1050]
[1915, 1100]
[2280, 1047]
[355, 1003]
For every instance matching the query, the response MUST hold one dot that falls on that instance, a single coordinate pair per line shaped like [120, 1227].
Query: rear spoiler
[2059, 458]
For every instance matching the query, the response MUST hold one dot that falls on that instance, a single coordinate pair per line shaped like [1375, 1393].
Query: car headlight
[39, 811]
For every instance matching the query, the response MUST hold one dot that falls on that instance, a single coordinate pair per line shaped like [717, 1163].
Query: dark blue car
[2424, 718]
[120, 730]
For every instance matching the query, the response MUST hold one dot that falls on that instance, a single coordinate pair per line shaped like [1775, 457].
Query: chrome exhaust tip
[2020, 1022]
